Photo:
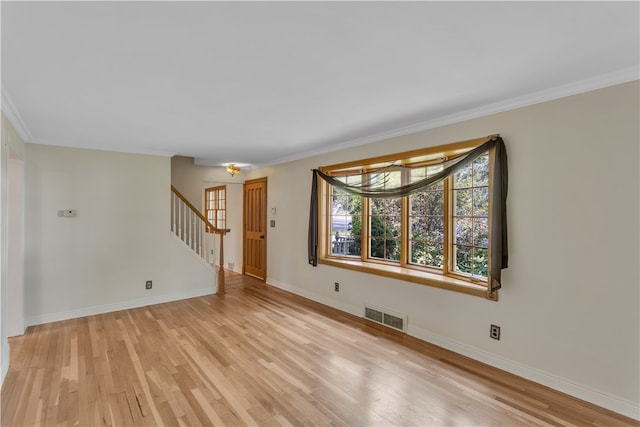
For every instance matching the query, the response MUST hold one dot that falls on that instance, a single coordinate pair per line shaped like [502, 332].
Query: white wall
[570, 299]
[191, 180]
[12, 152]
[99, 260]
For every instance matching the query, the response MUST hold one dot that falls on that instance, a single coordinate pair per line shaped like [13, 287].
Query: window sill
[411, 275]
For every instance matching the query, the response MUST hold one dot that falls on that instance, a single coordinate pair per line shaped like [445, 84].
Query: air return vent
[383, 317]
[373, 314]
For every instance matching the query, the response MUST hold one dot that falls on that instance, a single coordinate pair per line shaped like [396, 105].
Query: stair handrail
[210, 228]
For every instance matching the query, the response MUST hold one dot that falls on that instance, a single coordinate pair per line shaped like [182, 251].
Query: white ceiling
[266, 82]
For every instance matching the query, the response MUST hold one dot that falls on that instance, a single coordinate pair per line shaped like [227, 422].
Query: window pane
[392, 249]
[418, 252]
[480, 262]
[428, 255]
[463, 231]
[418, 174]
[377, 247]
[432, 170]
[434, 256]
[418, 228]
[481, 170]
[435, 203]
[462, 202]
[462, 258]
[435, 229]
[418, 204]
[376, 228]
[392, 218]
[339, 204]
[481, 232]
[392, 227]
[353, 246]
[481, 201]
[463, 178]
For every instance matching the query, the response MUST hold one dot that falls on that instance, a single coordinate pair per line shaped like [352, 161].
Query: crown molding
[14, 117]
[103, 147]
[604, 80]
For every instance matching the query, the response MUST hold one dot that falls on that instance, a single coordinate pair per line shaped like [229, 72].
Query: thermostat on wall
[68, 213]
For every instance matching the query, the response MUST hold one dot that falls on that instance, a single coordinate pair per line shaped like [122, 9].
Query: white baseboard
[124, 305]
[347, 308]
[235, 269]
[605, 400]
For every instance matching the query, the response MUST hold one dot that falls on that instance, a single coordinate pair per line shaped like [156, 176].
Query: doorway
[255, 228]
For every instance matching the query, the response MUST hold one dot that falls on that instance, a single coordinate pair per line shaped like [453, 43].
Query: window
[215, 206]
[384, 219]
[470, 247]
[345, 217]
[426, 221]
[437, 235]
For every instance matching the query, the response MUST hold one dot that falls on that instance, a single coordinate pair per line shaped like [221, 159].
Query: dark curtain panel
[498, 237]
[313, 221]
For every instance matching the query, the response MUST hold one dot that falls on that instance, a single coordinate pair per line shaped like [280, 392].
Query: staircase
[193, 228]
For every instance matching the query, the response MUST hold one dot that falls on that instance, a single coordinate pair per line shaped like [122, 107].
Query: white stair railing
[193, 228]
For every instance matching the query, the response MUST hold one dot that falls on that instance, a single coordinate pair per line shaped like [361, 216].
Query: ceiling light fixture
[232, 169]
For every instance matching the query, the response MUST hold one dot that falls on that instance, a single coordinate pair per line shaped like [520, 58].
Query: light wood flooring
[259, 356]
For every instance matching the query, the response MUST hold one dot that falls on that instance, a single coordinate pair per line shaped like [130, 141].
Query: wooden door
[255, 228]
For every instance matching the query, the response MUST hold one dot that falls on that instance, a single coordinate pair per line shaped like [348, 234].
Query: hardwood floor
[261, 356]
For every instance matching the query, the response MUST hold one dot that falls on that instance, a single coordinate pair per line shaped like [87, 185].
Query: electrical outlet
[336, 286]
[149, 284]
[494, 332]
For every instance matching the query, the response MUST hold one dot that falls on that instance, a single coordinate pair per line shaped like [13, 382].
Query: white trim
[347, 308]
[605, 80]
[604, 400]
[117, 306]
[14, 117]
[115, 149]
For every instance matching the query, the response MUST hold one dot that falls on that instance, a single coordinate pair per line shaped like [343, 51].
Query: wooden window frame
[445, 278]
[215, 219]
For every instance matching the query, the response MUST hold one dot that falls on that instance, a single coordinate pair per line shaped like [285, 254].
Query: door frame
[244, 223]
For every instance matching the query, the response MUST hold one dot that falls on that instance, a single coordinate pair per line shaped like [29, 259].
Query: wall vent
[373, 314]
[384, 317]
